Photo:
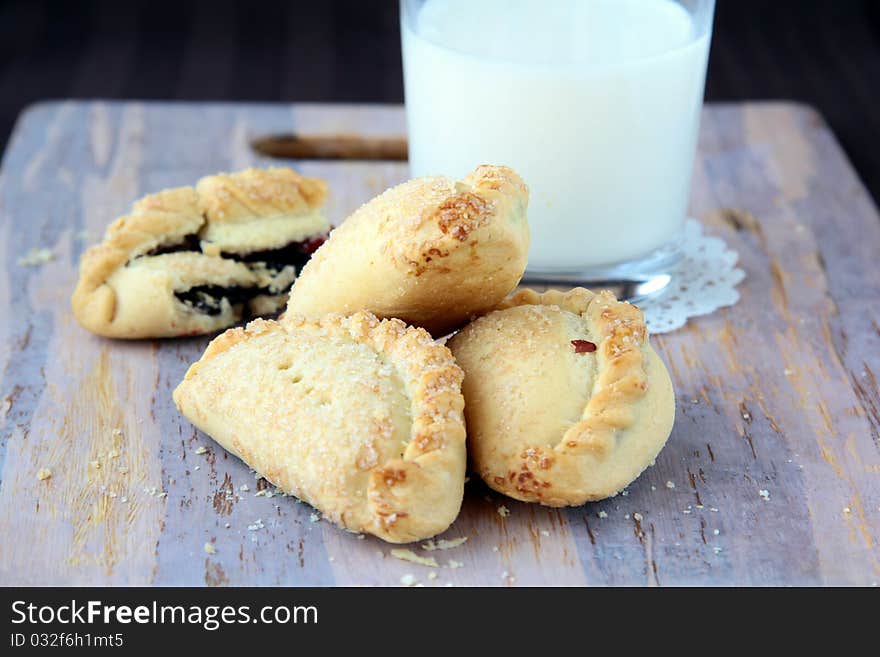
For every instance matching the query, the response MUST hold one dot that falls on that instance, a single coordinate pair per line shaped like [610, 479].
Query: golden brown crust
[432, 251]
[241, 196]
[384, 450]
[558, 459]
[124, 292]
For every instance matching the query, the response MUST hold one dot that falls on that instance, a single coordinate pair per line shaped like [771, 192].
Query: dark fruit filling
[189, 243]
[295, 253]
[208, 299]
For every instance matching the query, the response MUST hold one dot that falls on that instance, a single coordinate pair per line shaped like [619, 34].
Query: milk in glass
[595, 103]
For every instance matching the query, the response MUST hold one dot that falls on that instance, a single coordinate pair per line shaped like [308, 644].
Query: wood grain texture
[778, 393]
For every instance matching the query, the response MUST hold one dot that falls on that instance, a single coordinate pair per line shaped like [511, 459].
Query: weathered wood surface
[778, 393]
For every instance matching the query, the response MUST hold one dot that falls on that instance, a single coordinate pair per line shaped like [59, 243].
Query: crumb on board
[432, 575]
[455, 564]
[444, 544]
[409, 580]
[716, 550]
[544, 532]
[209, 549]
[201, 449]
[715, 532]
[503, 511]
[847, 510]
[36, 257]
[244, 488]
[765, 494]
[408, 555]
[637, 517]
[43, 474]
[256, 526]
[670, 484]
[314, 517]
[603, 514]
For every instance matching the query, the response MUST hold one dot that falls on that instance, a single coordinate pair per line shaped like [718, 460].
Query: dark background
[822, 52]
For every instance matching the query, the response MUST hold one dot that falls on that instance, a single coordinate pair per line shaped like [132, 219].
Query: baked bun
[189, 260]
[359, 417]
[432, 252]
[566, 401]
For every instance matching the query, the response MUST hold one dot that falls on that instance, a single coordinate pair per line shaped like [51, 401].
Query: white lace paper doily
[703, 280]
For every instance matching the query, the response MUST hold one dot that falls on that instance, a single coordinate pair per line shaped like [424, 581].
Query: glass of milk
[596, 103]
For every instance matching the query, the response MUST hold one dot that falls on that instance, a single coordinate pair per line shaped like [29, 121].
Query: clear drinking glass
[596, 103]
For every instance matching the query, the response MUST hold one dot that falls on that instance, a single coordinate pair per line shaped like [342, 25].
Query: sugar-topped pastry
[360, 417]
[433, 252]
[188, 261]
[565, 400]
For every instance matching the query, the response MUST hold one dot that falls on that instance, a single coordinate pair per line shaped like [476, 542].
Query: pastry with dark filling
[189, 261]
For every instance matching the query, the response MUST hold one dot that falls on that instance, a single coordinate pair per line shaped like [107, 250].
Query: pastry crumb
[716, 550]
[244, 488]
[201, 449]
[544, 532]
[43, 474]
[408, 555]
[847, 510]
[637, 517]
[670, 484]
[444, 544]
[432, 575]
[409, 580]
[314, 517]
[765, 494]
[602, 514]
[455, 564]
[256, 526]
[210, 549]
[503, 511]
[36, 257]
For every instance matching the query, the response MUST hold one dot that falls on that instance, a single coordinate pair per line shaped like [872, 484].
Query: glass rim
[705, 28]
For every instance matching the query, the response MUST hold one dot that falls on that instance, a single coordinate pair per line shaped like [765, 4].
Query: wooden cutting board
[776, 394]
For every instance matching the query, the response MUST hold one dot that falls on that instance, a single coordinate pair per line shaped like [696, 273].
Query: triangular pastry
[188, 261]
[361, 418]
[432, 252]
[566, 401]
